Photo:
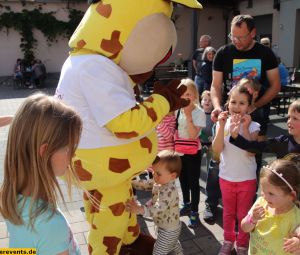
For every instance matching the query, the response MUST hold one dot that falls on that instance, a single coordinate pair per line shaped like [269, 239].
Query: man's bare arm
[216, 89]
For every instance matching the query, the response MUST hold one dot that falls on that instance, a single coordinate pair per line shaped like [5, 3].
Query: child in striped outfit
[164, 205]
[165, 132]
[165, 135]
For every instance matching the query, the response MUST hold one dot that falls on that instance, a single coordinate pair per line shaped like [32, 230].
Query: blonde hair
[40, 120]
[191, 84]
[205, 93]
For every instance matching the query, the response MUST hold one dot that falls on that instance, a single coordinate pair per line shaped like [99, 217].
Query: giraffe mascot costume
[116, 45]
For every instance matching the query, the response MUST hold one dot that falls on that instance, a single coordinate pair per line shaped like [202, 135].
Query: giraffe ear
[93, 1]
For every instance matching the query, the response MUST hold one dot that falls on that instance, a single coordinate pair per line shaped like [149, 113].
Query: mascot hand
[172, 92]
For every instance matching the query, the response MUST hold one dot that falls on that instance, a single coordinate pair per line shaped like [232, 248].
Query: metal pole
[195, 18]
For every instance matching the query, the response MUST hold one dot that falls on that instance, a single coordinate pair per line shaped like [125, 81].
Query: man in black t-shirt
[245, 58]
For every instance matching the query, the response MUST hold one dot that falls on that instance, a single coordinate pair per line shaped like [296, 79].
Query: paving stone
[79, 227]
[84, 249]
[208, 244]
[190, 247]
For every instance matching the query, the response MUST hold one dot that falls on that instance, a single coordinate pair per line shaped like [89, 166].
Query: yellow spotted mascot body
[116, 45]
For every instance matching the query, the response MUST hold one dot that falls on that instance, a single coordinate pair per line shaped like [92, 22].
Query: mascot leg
[143, 245]
[111, 225]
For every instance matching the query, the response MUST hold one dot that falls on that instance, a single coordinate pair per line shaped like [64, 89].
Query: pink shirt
[165, 133]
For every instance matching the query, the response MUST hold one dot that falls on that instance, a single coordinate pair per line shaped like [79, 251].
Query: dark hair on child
[171, 159]
[250, 83]
[288, 169]
[295, 106]
[242, 89]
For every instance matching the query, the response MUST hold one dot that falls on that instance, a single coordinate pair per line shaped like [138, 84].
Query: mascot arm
[144, 117]
[140, 119]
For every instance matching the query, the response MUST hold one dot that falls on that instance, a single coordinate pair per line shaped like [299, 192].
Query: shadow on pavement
[7, 91]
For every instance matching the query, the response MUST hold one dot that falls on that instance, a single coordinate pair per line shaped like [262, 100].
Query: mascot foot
[143, 245]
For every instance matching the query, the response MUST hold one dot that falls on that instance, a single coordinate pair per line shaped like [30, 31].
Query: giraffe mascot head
[136, 35]
[116, 45]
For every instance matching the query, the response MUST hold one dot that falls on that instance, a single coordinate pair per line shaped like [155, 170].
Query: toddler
[273, 221]
[163, 207]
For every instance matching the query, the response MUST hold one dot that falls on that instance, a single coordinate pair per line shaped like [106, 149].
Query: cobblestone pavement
[204, 240]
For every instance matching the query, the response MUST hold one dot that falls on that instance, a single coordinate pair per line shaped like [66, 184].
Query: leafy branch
[24, 22]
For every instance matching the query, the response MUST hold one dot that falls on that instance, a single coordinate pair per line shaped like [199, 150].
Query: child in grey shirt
[164, 205]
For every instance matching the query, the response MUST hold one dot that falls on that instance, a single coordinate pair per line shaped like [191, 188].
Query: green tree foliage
[24, 22]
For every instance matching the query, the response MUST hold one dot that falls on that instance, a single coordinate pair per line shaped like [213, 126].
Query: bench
[164, 74]
[283, 99]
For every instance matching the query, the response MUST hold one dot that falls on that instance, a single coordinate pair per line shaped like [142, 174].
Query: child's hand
[292, 245]
[235, 123]
[222, 118]
[258, 213]
[188, 109]
[246, 120]
[133, 207]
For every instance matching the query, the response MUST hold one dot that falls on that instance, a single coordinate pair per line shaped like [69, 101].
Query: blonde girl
[237, 175]
[191, 120]
[273, 221]
[41, 143]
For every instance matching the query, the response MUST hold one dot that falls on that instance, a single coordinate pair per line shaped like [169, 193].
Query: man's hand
[215, 113]
[251, 108]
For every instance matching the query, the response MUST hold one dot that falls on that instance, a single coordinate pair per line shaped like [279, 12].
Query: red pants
[237, 201]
